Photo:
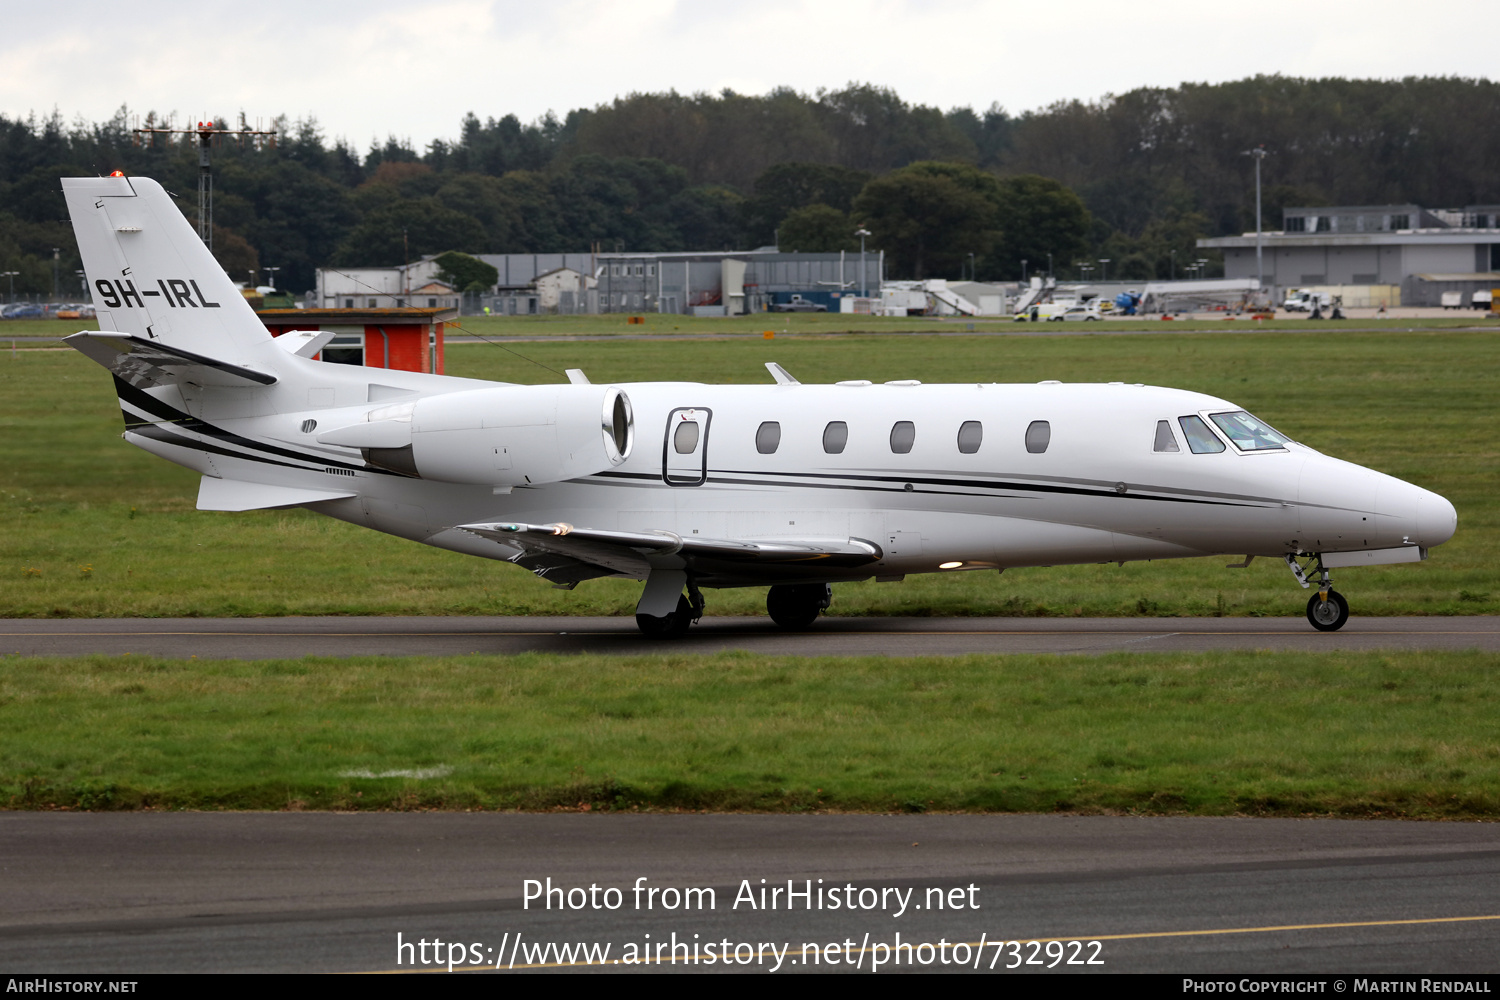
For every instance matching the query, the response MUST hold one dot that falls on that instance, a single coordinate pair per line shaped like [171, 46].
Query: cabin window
[768, 437]
[1038, 436]
[835, 437]
[685, 438]
[1200, 439]
[903, 436]
[969, 436]
[1247, 433]
[1165, 439]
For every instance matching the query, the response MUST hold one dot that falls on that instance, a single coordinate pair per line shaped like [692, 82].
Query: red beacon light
[117, 173]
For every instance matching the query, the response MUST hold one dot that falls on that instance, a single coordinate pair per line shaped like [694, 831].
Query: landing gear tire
[670, 626]
[1329, 615]
[797, 606]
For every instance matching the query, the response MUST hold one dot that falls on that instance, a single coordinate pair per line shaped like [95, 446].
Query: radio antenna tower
[209, 134]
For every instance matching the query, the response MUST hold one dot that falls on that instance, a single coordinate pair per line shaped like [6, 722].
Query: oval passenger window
[685, 438]
[835, 437]
[768, 437]
[903, 435]
[969, 436]
[1038, 436]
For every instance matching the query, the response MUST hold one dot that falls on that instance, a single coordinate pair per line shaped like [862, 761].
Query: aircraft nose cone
[1436, 519]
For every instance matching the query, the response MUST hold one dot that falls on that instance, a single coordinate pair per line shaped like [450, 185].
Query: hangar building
[1423, 252]
[731, 282]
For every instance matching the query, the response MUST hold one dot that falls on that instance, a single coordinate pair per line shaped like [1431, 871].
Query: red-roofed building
[408, 339]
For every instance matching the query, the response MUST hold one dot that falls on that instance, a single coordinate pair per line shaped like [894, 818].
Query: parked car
[22, 310]
[798, 305]
[1083, 312]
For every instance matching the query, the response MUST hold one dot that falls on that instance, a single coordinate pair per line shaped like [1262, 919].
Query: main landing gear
[1327, 611]
[674, 623]
[796, 606]
[665, 612]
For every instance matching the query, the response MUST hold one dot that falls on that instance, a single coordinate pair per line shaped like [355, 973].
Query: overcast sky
[374, 68]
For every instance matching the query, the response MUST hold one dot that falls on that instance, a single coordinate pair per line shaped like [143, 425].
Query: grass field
[94, 527]
[804, 324]
[1355, 735]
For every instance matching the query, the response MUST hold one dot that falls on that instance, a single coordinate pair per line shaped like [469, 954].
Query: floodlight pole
[206, 132]
[864, 291]
[271, 276]
[1258, 153]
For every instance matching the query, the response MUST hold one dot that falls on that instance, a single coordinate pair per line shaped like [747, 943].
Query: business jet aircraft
[688, 486]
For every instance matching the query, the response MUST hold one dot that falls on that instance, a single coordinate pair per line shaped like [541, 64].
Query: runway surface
[261, 638]
[162, 892]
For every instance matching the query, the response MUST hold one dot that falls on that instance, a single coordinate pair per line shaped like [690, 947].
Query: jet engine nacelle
[504, 436]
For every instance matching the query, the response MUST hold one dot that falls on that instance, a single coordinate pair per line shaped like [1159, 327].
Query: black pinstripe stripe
[147, 403]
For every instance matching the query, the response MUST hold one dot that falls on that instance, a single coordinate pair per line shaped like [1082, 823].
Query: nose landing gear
[1327, 611]
[1327, 614]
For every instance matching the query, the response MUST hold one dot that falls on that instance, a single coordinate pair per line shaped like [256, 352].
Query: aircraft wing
[564, 554]
[145, 363]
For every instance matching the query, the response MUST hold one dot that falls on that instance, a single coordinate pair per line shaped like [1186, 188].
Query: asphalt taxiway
[193, 892]
[262, 638]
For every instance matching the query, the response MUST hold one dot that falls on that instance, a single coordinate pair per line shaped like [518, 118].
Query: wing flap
[627, 552]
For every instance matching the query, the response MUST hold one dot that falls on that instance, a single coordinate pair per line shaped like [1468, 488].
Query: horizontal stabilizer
[231, 494]
[305, 343]
[144, 363]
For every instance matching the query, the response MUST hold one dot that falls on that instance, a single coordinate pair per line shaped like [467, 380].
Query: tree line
[1136, 178]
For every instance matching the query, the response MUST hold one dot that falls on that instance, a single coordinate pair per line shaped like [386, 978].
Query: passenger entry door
[685, 449]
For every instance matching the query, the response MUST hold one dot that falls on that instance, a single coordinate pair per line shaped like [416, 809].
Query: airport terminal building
[1421, 252]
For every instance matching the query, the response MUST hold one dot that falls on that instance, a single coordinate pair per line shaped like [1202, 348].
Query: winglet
[780, 374]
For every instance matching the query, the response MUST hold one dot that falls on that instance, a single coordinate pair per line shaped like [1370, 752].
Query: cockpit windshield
[1248, 433]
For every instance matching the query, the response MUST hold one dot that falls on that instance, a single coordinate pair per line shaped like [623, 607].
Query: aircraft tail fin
[151, 275]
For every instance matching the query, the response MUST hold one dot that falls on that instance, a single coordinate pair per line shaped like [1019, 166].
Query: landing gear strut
[796, 606]
[1327, 611]
[668, 626]
[674, 623]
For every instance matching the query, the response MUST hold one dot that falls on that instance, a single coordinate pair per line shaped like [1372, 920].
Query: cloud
[374, 68]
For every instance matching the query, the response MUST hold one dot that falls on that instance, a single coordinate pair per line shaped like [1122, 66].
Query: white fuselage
[1098, 492]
